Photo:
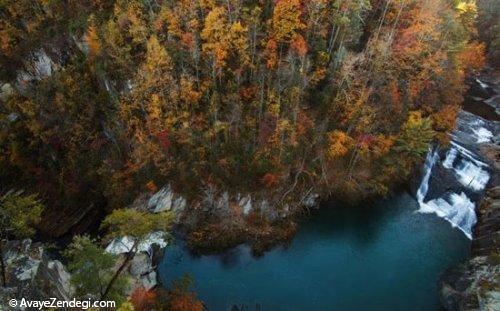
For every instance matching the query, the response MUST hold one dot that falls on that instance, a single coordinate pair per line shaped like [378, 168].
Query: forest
[102, 100]
[270, 97]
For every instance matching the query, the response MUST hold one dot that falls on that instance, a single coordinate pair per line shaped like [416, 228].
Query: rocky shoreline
[475, 284]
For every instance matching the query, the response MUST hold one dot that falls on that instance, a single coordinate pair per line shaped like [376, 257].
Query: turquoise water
[379, 257]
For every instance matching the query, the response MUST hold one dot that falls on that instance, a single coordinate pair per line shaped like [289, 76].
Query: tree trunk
[130, 256]
[2, 263]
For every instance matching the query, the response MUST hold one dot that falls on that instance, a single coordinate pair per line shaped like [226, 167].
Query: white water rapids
[457, 209]
[467, 169]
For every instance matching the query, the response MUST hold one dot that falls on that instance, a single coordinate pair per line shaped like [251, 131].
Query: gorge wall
[475, 284]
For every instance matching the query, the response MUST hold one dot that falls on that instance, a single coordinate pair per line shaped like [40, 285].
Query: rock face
[32, 275]
[475, 285]
[142, 268]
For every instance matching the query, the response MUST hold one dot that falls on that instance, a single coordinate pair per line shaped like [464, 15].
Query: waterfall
[431, 159]
[457, 209]
[461, 164]
[471, 175]
[451, 155]
[483, 135]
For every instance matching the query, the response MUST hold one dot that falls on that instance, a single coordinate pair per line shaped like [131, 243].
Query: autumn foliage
[245, 96]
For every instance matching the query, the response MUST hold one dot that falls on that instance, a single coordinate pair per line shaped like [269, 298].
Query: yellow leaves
[414, 119]
[215, 35]
[137, 24]
[274, 104]
[223, 39]
[339, 144]
[286, 20]
[188, 92]
[466, 7]
[239, 42]
[154, 107]
[383, 144]
[156, 56]
[174, 24]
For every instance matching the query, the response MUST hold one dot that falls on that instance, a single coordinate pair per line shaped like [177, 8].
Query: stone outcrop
[142, 268]
[31, 274]
[219, 220]
[475, 285]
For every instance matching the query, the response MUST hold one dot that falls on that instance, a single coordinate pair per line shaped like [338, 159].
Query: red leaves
[270, 180]
[163, 139]
[366, 140]
[267, 128]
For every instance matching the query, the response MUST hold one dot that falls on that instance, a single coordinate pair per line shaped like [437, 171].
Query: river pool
[381, 256]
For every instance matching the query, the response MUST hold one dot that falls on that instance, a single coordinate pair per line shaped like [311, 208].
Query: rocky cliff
[475, 285]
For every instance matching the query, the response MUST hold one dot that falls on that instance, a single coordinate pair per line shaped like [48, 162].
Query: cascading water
[432, 157]
[454, 202]
[457, 209]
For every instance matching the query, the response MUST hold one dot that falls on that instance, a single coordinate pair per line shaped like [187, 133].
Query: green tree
[19, 214]
[136, 225]
[92, 269]
[415, 136]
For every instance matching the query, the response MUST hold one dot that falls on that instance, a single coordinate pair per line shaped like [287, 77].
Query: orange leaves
[299, 46]
[395, 97]
[472, 57]
[151, 186]
[143, 300]
[443, 121]
[304, 123]
[383, 144]
[92, 41]
[185, 302]
[180, 298]
[272, 53]
[187, 39]
[339, 144]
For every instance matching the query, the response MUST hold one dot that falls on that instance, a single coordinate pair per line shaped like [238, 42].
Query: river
[385, 256]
